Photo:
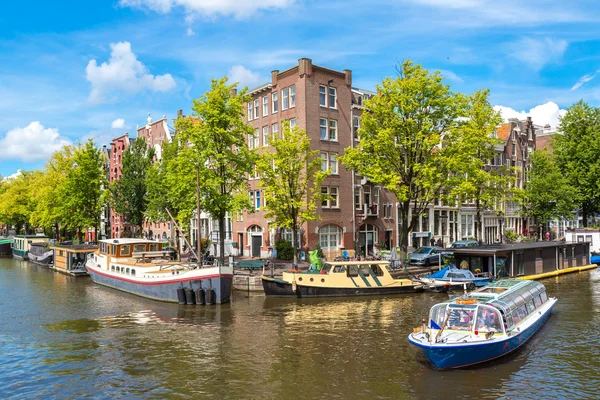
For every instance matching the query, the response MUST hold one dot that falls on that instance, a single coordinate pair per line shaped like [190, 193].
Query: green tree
[577, 152]
[291, 177]
[549, 193]
[215, 144]
[48, 191]
[128, 194]
[400, 137]
[471, 145]
[83, 192]
[16, 200]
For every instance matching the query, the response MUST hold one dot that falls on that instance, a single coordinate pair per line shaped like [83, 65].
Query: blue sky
[71, 70]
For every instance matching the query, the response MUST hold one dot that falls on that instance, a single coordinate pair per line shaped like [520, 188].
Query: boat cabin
[521, 259]
[498, 308]
[130, 248]
[580, 235]
[70, 259]
[22, 244]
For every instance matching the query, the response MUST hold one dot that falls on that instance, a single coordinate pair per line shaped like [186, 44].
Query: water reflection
[72, 338]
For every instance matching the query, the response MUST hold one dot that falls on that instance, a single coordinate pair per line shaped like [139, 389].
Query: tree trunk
[294, 241]
[141, 230]
[404, 232]
[478, 224]
[221, 239]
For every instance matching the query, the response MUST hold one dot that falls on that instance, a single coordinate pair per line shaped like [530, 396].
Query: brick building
[118, 224]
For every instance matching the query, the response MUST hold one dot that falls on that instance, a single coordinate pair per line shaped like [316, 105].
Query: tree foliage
[214, 143]
[17, 201]
[548, 194]
[400, 136]
[83, 191]
[471, 146]
[291, 177]
[577, 151]
[128, 194]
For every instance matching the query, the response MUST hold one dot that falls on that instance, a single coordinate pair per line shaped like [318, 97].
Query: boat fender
[295, 271]
[210, 296]
[181, 295]
[200, 300]
[294, 286]
[190, 296]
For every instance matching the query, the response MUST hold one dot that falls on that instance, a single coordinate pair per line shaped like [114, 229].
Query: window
[333, 164]
[292, 96]
[330, 197]
[275, 101]
[127, 271]
[256, 138]
[125, 250]
[332, 97]
[256, 105]
[139, 248]
[249, 111]
[274, 130]
[292, 123]
[257, 198]
[330, 238]
[324, 158]
[322, 96]
[265, 136]
[333, 130]
[154, 247]
[286, 234]
[285, 102]
[250, 141]
[357, 204]
[133, 272]
[514, 149]
[265, 106]
[323, 124]
[355, 126]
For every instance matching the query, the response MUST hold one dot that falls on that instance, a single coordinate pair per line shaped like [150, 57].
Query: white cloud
[538, 52]
[237, 8]
[13, 176]
[451, 76]
[32, 143]
[548, 113]
[189, 32]
[584, 79]
[123, 72]
[245, 77]
[118, 123]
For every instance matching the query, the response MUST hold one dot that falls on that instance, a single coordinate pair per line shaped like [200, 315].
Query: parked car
[428, 255]
[464, 243]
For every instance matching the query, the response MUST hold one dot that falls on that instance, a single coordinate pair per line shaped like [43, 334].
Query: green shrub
[285, 251]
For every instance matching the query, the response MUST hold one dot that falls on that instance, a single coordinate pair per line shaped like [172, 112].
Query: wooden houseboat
[488, 323]
[141, 267]
[22, 244]
[522, 259]
[342, 278]
[70, 259]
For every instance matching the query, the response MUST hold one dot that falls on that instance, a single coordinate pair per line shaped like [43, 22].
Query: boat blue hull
[447, 357]
[595, 259]
[168, 291]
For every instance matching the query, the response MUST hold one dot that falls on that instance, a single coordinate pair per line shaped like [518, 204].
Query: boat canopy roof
[128, 241]
[334, 263]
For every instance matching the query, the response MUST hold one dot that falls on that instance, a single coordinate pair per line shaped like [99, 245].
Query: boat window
[352, 270]
[537, 300]
[377, 270]
[114, 250]
[139, 248]
[118, 269]
[339, 268]
[133, 272]
[112, 268]
[364, 269]
[461, 319]
[454, 275]
[488, 320]
[519, 314]
[153, 246]
[530, 307]
[438, 314]
[125, 250]
[127, 271]
[544, 297]
[326, 268]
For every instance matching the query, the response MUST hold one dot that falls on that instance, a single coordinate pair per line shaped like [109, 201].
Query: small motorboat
[595, 258]
[454, 278]
[486, 324]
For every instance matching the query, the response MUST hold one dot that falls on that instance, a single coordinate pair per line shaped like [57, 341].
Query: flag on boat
[433, 325]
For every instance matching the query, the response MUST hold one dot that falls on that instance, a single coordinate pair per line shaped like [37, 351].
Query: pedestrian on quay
[432, 241]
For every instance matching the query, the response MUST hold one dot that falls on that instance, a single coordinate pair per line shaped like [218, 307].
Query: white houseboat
[22, 244]
[141, 267]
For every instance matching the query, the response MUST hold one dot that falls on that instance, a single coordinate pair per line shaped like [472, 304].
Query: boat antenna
[465, 288]
[184, 237]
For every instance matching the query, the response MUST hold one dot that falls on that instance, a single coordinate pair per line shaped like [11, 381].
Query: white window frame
[256, 138]
[331, 94]
[333, 163]
[333, 127]
[292, 123]
[275, 129]
[323, 124]
[256, 107]
[265, 106]
[323, 95]
[275, 102]
[250, 141]
[250, 111]
[285, 100]
[327, 192]
[326, 234]
[265, 133]
[324, 161]
[292, 96]
[355, 126]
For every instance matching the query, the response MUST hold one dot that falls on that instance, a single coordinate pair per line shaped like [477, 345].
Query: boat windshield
[455, 317]
[488, 319]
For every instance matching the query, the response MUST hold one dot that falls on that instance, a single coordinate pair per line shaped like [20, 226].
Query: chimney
[348, 77]
[274, 74]
[179, 113]
[233, 92]
[305, 67]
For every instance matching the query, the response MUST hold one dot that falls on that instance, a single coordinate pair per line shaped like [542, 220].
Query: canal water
[63, 337]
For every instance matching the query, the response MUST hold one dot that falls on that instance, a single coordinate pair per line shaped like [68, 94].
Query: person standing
[548, 236]
[432, 241]
[439, 242]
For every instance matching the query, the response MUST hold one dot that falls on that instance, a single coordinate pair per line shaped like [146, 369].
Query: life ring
[466, 301]
[295, 270]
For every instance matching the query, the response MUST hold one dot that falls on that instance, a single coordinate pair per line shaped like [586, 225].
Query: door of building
[256, 242]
